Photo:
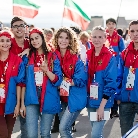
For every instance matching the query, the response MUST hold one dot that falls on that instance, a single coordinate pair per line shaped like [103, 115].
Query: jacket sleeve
[110, 76]
[57, 71]
[119, 79]
[121, 45]
[21, 73]
[25, 62]
[80, 74]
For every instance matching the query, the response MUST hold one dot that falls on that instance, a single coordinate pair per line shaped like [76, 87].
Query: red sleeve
[55, 80]
[21, 85]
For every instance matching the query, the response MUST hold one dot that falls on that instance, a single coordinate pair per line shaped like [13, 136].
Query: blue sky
[50, 13]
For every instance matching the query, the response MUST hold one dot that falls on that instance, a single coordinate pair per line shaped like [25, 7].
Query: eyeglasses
[17, 26]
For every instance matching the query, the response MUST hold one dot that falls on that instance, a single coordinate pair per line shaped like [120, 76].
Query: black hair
[134, 22]
[120, 31]
[76, 29]
[15, 19]
[110, 20]
[44, 48]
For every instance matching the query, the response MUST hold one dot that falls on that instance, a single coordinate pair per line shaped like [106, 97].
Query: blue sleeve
[119, 79]
[21, 73]
[25, 60]
[80, 74]
[57, 71]
[121, 45]
[110, 76]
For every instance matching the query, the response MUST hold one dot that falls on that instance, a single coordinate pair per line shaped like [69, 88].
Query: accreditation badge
[65, 87]
[130, 79]
[38, 76]
[94, 91]
[2, 93]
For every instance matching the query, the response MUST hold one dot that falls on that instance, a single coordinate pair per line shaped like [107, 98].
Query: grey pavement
[111, 129]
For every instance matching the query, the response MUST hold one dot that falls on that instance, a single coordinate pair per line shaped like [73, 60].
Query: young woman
[73, 88]
[102, 74]
[12, 71]
[43, 76]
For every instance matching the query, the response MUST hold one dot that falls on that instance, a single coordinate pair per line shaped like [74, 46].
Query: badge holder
[94, 90]
[2, 93]
[65, 86]
[130, 79]
[38, 76]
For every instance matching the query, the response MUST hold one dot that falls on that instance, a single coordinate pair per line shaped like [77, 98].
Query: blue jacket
[117, 43]
[50, 98]
[78, 93]
[105, 76]
[14, 75]
[73, 68]
[127, 60]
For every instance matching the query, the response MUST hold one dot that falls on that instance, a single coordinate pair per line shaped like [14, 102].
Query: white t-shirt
[83, 52]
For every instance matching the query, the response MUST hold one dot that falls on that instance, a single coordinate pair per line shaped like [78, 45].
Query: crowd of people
[51, 75]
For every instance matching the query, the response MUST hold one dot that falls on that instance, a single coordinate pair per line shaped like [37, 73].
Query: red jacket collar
[131, 46]
[104, 50]
[114, 33]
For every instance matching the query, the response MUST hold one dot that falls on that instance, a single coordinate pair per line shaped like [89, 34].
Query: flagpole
[63, 14]
[118, 13]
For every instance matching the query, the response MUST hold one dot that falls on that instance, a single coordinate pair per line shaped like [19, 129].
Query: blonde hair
[84, 34]
[73, 42]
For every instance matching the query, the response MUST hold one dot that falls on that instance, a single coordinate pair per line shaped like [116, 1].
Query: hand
[25, 52]
[43, 66]
[16, 111]
[118, 102]
[23, 111]
[100, 114]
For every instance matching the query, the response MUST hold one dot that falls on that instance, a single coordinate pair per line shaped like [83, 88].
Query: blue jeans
[127, 113]
[97, 126]
[66, 121]
[32, 117]
[23, 127]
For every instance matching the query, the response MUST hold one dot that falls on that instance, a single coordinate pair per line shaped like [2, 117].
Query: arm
[56, 75]
[100, 110]
[119, 79]
[22, 109]
[121, 45]
[80, 74]
[16, 110]
[25, 52]
[110, 76]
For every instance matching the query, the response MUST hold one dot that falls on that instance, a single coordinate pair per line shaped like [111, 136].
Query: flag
[73, 12]
[25, 8]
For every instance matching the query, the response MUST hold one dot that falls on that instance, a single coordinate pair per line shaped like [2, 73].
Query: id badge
[38, 76]
[94, 91]
[64, 87]
[130, 79]
[2, 93]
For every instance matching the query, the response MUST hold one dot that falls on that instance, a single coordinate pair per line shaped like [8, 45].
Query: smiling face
[63, 40]
[5, 43]
[18, 29]
[36, 40]
[98, 38]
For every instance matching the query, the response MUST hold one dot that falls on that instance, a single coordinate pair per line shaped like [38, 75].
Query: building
[95, 21]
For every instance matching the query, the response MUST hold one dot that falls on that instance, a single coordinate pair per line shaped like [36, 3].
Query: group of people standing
[39, 79]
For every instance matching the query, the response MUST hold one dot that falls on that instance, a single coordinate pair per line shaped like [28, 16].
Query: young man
[127, 93]
[116, 44]
[20, 46]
